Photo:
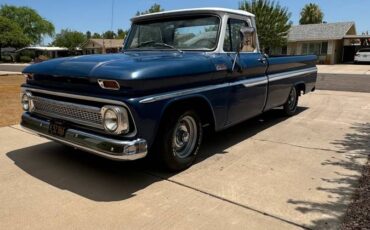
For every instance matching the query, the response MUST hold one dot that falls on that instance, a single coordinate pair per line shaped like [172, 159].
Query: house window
[324, 48]
[317, 48]
[284, 50]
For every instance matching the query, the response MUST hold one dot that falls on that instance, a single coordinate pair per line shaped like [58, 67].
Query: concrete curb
[3, 73]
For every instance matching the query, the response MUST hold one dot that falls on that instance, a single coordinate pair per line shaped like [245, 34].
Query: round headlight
[110, 120]
[115, 119]
[25, 100]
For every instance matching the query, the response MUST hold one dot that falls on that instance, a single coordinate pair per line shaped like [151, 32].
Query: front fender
[148, 116]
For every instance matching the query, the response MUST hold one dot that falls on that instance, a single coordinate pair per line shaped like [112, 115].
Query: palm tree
[311, 14]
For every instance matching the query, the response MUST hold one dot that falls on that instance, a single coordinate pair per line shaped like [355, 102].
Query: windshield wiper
[143, 44]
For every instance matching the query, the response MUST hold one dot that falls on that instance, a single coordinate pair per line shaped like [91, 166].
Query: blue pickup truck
[179, 72]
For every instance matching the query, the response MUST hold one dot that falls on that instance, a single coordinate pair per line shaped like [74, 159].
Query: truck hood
[135, 72]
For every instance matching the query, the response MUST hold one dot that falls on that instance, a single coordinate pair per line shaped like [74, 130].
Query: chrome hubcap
[292, 99]
[185, 137]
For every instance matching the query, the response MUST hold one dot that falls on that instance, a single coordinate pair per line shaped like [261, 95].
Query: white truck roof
[194, 10]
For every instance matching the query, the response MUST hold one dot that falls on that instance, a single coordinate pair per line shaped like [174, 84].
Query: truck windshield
[195, 33]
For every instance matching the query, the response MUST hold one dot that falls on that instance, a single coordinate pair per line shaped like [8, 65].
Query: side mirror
[247, 30]
[244, 32]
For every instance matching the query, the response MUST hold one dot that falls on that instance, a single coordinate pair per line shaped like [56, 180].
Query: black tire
[290, 106]
[177, 125]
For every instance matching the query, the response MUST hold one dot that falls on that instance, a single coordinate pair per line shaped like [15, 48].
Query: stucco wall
[334, 53]
[91, 45]
[291, 48]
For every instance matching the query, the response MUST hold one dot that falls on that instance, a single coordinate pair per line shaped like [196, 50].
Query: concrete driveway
[358, 69]
[267, 173]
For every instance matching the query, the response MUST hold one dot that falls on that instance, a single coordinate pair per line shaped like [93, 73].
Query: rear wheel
[290, 106]
[180, 139]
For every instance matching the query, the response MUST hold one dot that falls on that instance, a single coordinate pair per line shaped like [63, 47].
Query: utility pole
[111, 22]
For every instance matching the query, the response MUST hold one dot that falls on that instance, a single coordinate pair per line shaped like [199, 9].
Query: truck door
[248, 81]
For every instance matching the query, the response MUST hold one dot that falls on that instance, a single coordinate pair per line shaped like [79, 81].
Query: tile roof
[325, 31]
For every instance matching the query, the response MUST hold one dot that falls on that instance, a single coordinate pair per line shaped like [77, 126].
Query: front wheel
[290, 106]
[180, 140]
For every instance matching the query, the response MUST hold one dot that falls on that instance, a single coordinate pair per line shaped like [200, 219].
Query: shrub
[25, 59]
[6, 58]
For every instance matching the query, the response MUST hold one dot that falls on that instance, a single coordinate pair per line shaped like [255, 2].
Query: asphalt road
[12, 67]
[271, 172]
[343, 82]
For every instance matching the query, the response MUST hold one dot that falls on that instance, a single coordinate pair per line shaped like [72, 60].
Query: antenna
[111, 22]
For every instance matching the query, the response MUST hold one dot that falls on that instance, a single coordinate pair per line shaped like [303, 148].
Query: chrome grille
[81, 114]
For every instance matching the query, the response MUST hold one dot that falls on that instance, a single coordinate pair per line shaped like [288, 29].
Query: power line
[111, 22]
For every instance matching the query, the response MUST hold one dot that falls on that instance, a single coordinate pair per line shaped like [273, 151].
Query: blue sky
[95, 15]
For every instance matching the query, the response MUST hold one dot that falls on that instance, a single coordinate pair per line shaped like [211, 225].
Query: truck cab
[180, 72]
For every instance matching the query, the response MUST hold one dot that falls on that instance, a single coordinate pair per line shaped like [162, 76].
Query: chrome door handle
[262, 60]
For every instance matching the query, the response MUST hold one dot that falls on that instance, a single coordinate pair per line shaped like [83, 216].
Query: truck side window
[232, 31]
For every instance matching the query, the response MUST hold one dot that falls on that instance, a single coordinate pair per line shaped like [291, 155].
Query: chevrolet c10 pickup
[179, 73]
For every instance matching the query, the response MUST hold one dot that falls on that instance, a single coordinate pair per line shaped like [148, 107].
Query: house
[6, 54]
[326, 40]
[38, 53]
[101, 46]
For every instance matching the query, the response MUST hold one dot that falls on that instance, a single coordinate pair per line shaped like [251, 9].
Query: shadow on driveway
[356, 147]
[99, 179]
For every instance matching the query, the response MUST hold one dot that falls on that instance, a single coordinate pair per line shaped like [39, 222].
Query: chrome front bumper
[106, 147]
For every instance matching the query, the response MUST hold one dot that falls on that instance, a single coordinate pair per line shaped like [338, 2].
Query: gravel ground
[10, 107]
[358, 213]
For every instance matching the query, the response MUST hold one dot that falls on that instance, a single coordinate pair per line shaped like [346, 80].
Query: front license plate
[57, 129]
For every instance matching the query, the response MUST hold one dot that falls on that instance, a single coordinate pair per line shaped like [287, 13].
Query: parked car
[363, 55]
[180, 72]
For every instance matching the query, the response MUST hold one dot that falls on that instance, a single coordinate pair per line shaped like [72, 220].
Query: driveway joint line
[228, 201]
[22, 130]
[341, 95]
[293, 145]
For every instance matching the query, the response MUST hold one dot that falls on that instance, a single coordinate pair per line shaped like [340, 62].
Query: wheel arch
[300, 87]
[198, 102]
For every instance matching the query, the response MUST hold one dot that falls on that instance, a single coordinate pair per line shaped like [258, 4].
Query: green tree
[11, 34]
[311, 14]
[30, 22]
[121, 34]
[109, 34]
[153, 9]
[69, 39]
[88, 34]
[96, 35]
[272, 20]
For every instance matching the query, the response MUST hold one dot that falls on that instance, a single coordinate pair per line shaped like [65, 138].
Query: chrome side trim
[159, 97]
[289, 74]
[250, 82]
[247, 83]
[87, 98]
